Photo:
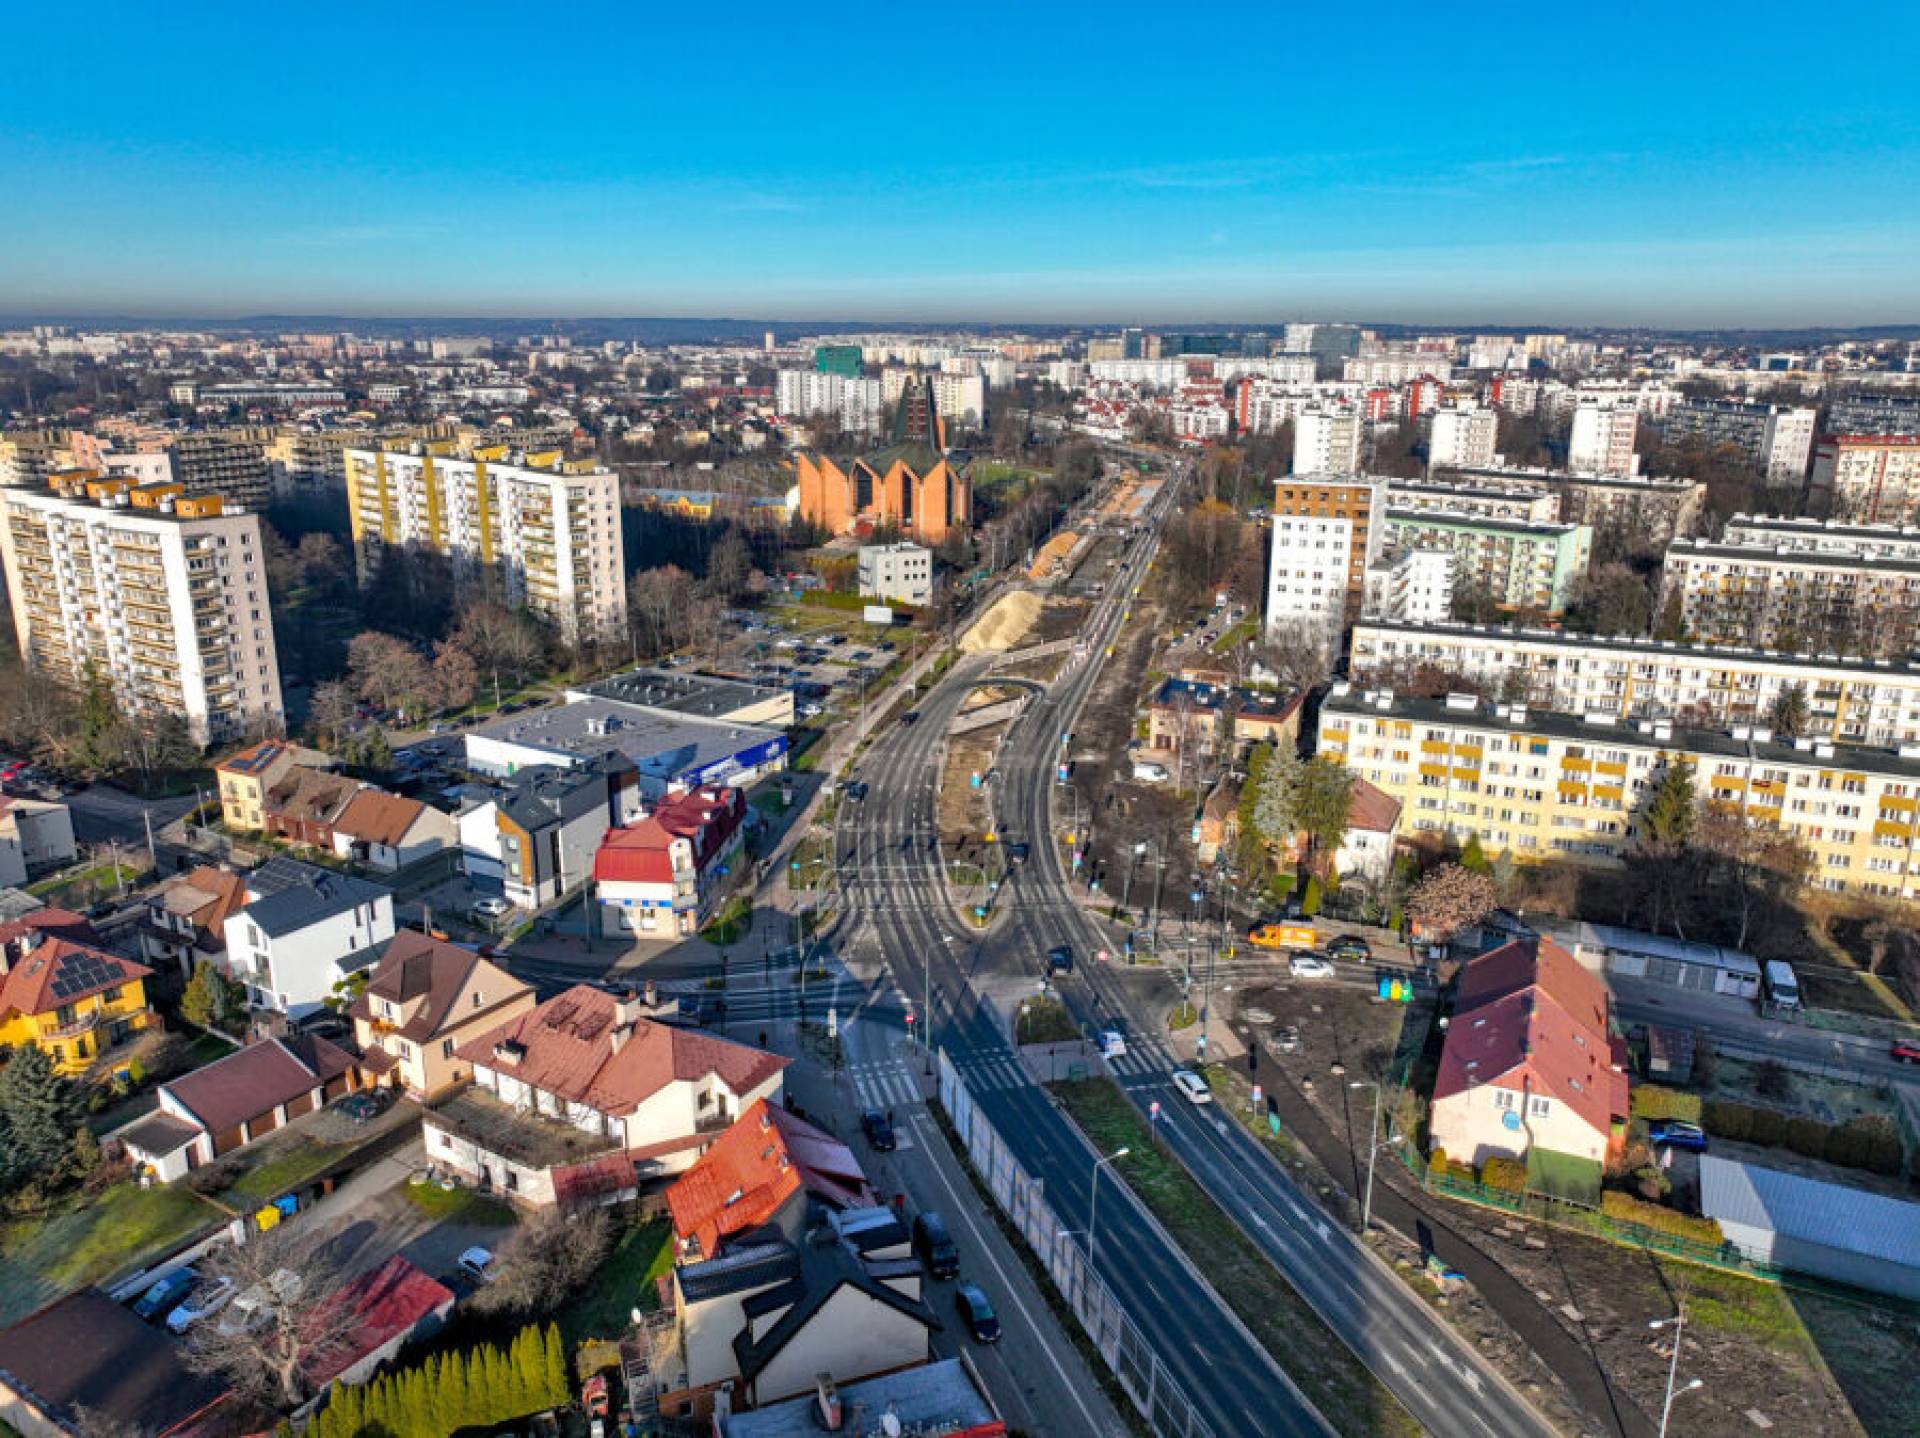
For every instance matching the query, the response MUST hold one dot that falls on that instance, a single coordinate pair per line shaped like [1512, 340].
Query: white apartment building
[1602, 439]
[1532, 506]
[1653, 510]
[1327, 532]
[1848, 701]
[551, 526]
[1397, 367]
[1261, 406]
[162, 595]
[1778, 439]
[1413, 587]
[1869, 478]
[902, 572]
[859, 403]
[1792, 598]
[960, 398]
[1462, 438]
[1816, 536]
[1326, 440]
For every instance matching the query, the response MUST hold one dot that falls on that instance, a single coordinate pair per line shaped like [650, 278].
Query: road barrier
[1134, 1364]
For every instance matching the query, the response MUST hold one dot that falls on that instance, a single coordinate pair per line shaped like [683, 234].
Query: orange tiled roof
[756, 1166]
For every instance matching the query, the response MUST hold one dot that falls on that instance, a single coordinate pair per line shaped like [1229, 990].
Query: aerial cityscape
[1217, 738]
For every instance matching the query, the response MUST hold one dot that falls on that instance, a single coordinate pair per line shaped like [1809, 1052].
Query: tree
[389, 672]
[546, 1258]
[729, 566]
[454, 675]
[281, 1274]
[331, 711]
[1322, 802]
[504, 645]
[212, 1000]
[39, 1111]
[657, 599]
[1275, 821]
[1788, 713]
[1473, 857]
[1450, 899]
[1610, 599]
[1671, 808]
[1297, 655]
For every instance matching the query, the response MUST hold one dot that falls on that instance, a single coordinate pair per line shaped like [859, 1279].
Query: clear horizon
[1651, 168]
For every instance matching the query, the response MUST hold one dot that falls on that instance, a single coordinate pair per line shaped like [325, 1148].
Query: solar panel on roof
[82, 973]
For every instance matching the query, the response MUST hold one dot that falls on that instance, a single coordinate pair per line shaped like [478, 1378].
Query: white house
[34, 835]
[663, 874]
[303, 929]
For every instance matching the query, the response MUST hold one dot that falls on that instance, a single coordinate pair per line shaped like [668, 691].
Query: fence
[1023, 1199]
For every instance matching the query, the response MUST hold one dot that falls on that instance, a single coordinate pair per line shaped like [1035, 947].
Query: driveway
[369, 1218]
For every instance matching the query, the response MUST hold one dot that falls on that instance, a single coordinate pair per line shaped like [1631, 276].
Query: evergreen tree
[459, 1401]
[38, 1116]
[1670, 811]
[1323, 803]
[558, 1389]
[1474, 858]
[1274, 819]
[526, 1364]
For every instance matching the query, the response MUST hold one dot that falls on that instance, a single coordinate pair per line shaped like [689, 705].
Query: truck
[1282, 936]
[1783, 988]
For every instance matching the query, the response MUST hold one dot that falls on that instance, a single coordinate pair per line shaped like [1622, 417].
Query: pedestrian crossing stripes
[883, 1084]
[992, 1071]
[1135, 1063]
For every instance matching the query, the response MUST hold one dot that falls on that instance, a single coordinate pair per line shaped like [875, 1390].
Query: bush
[1651, 1101]
[1509, 1175]
[1625, 1208]
[1869, 1141]
[1437, 1162]
[1310, 899]
[1807, 1136]
[1725, 1119]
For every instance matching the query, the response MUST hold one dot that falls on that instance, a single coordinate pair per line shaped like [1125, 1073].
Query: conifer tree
[558, 1389]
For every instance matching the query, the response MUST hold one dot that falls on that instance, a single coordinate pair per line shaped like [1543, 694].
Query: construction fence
[1022, 1198]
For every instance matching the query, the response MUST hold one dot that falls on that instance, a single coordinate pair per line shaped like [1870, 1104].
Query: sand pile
[1004, 625]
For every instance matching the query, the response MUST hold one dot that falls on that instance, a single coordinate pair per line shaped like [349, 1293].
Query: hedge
[1310, 899]
[1868, 1141]
[1624, 1208]
[1506, 1174]
[1651, 1101]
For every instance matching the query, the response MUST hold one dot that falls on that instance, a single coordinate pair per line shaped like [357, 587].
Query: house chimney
[827, 1397]
[653, 994]
[628, 1008]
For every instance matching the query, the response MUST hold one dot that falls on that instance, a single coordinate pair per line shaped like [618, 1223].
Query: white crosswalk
[883, 1084]
[992, 1071]
[1138, 1063]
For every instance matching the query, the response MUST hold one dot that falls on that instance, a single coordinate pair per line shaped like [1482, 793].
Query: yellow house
[246, 777]
[70, 1000]
[423, 1001]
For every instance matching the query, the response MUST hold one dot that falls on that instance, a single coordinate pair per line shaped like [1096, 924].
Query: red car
[1906, 1051]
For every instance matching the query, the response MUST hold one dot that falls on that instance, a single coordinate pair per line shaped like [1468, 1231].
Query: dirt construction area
[1770, 1358]
[964, 811]
[1004, 625]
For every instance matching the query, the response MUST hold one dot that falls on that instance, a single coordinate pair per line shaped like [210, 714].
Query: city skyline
[1660, 170]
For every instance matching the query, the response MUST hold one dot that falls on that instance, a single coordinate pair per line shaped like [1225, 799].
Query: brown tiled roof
[415, 966]
[378, 817]
[567, 1048]
[243, 1085]
[311, 795]
[1372, 808]
[59, 971]
[51, 923]
[225, 893]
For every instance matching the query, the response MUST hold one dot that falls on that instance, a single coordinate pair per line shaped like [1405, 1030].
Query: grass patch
[88, 886]
[625, 1282]
[1045, 1021]
[284, 1167]
[1234, 637]
[93, 1239]
[730, 925]
[1184, 1017]
[462, 1205]
[1873, 1353]
[1744, 1307]
[1326, 1370]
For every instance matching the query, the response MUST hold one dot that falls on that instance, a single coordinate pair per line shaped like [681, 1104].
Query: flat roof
[1464, 519]
[673, 691]
[1582, 935]
[1558, 476]
[1761, 552]
[659, 745]
[938, 1397]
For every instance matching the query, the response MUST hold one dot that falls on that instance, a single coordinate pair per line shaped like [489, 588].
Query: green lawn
[281, 1167]
[1045, 1021]
[1338, 1383]
[85, 887]
[731, 923]
[92, 1240]
[625, 1282]
[1233, 638]
[462, 1205]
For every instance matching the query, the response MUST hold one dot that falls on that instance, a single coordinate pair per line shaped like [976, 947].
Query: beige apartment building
[1869, 478]
[1655, 510]
[1848, 701]
[162, 594]
[1795, 598]
[1545, 785]
[548, 525]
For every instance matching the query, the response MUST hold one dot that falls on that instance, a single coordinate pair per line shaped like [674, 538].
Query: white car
[477, 1264]
[1112, 1044]
[1192, 1085]
[1309, 966]
[210, 1299]
[490, 908]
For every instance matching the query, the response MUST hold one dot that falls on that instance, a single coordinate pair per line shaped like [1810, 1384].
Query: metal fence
[1022, 1198]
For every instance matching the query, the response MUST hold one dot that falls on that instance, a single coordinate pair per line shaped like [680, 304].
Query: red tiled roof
[52, 923]
[1372, 808]
[567, 1047]
[244, 1085]
[1528, 1017]
[755, 1167]
[378, 817]
[59, 971]
[371, 1311]
[705, 817]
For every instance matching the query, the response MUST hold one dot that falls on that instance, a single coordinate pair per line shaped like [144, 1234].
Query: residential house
[187, 916]
[85, 1364]
[304, 806]
[302, 931]
[245, 778]
[1185, 719]
[1218, 827]
[389, 832]
[69, 999]
[752, 1170]
[424, 999]
[944, 1399]
[540, 835]
[665, 873]
[812, 1292]
[1531, 1068]
[581, 1098]
[34, 836]
[1373, 827]
[235, 1101]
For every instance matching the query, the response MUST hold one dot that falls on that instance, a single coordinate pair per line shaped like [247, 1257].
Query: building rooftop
[764, 1158]
[677, 692]
[86, 1351]
[58, 971]
[1468, 519]
[663, 748]
[229, 1091]
[1792, 1206]
[942, 1399]
[290, 896]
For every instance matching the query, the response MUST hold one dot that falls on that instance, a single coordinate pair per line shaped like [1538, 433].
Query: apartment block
[161, 594]
[1531, 506]
[1778, 439]
[1415, 585]
[1653, 510]
[1518, 563]
[1869, 478]
[1817, 536]
[1326, 440]
[549, 526]
[1874, 702]
[232, 464]
[1397, 367]
[1875, 414]
[1543, 785]
[1327, 531]
[1777, 597]
[1602, 439]
[1462, 438]
[28, 458]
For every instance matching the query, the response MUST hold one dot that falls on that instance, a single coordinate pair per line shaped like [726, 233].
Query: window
[446, 1048]
[1504, 1098]
[1538, 1107]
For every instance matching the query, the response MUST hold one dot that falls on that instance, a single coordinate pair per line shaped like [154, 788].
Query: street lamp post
[1373, 1150]
[1678, 1323]
[1093, 1205]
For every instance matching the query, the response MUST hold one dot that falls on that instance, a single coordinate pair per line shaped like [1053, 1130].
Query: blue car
[169, 1291]
[1675, 1133]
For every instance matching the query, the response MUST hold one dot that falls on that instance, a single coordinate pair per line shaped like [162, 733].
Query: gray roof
[1807, 1209]
[674, 691]
[739, 1268]
[295, 895]
[548, 794]
[937, 1397]
[658, 744]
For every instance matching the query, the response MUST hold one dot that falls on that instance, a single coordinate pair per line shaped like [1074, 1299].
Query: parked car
[1905, 1051]
[1192, 1086]
[1282, 936]
[1349, 946]
[206, 1302]
[935, 1246]
[366, 1106]
[1286, 1040]
[1676, 1133]
[977, 1313]
[912, 716]
[489, 908]
[167, 1294]
[1017, 853]
[1060, 959]
[253, 1309]
[477, 1264]
[878, 1129]
[1309, 966]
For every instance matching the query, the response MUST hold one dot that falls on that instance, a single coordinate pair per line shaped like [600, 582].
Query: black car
[857, 790]
[912, 716]
[1349, 946]
[977, 1313]
[935, 1246]
[1017, 853]
[878, 1129]
[1060, 959]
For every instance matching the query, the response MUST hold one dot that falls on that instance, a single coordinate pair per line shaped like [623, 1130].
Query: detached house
[389, 832]
[302, 930]
[245, 778]
[581, 1098]
[664, 873]
[1530, 1069]
[186, 918]
[423, 1001]
[70, 1000]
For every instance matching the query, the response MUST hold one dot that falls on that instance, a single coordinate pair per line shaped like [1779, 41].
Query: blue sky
[1517, 163]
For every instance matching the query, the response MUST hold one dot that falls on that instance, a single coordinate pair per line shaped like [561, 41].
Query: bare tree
[273, 1334]
[547, 1257]
[1297, 654]
[1450, 899]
